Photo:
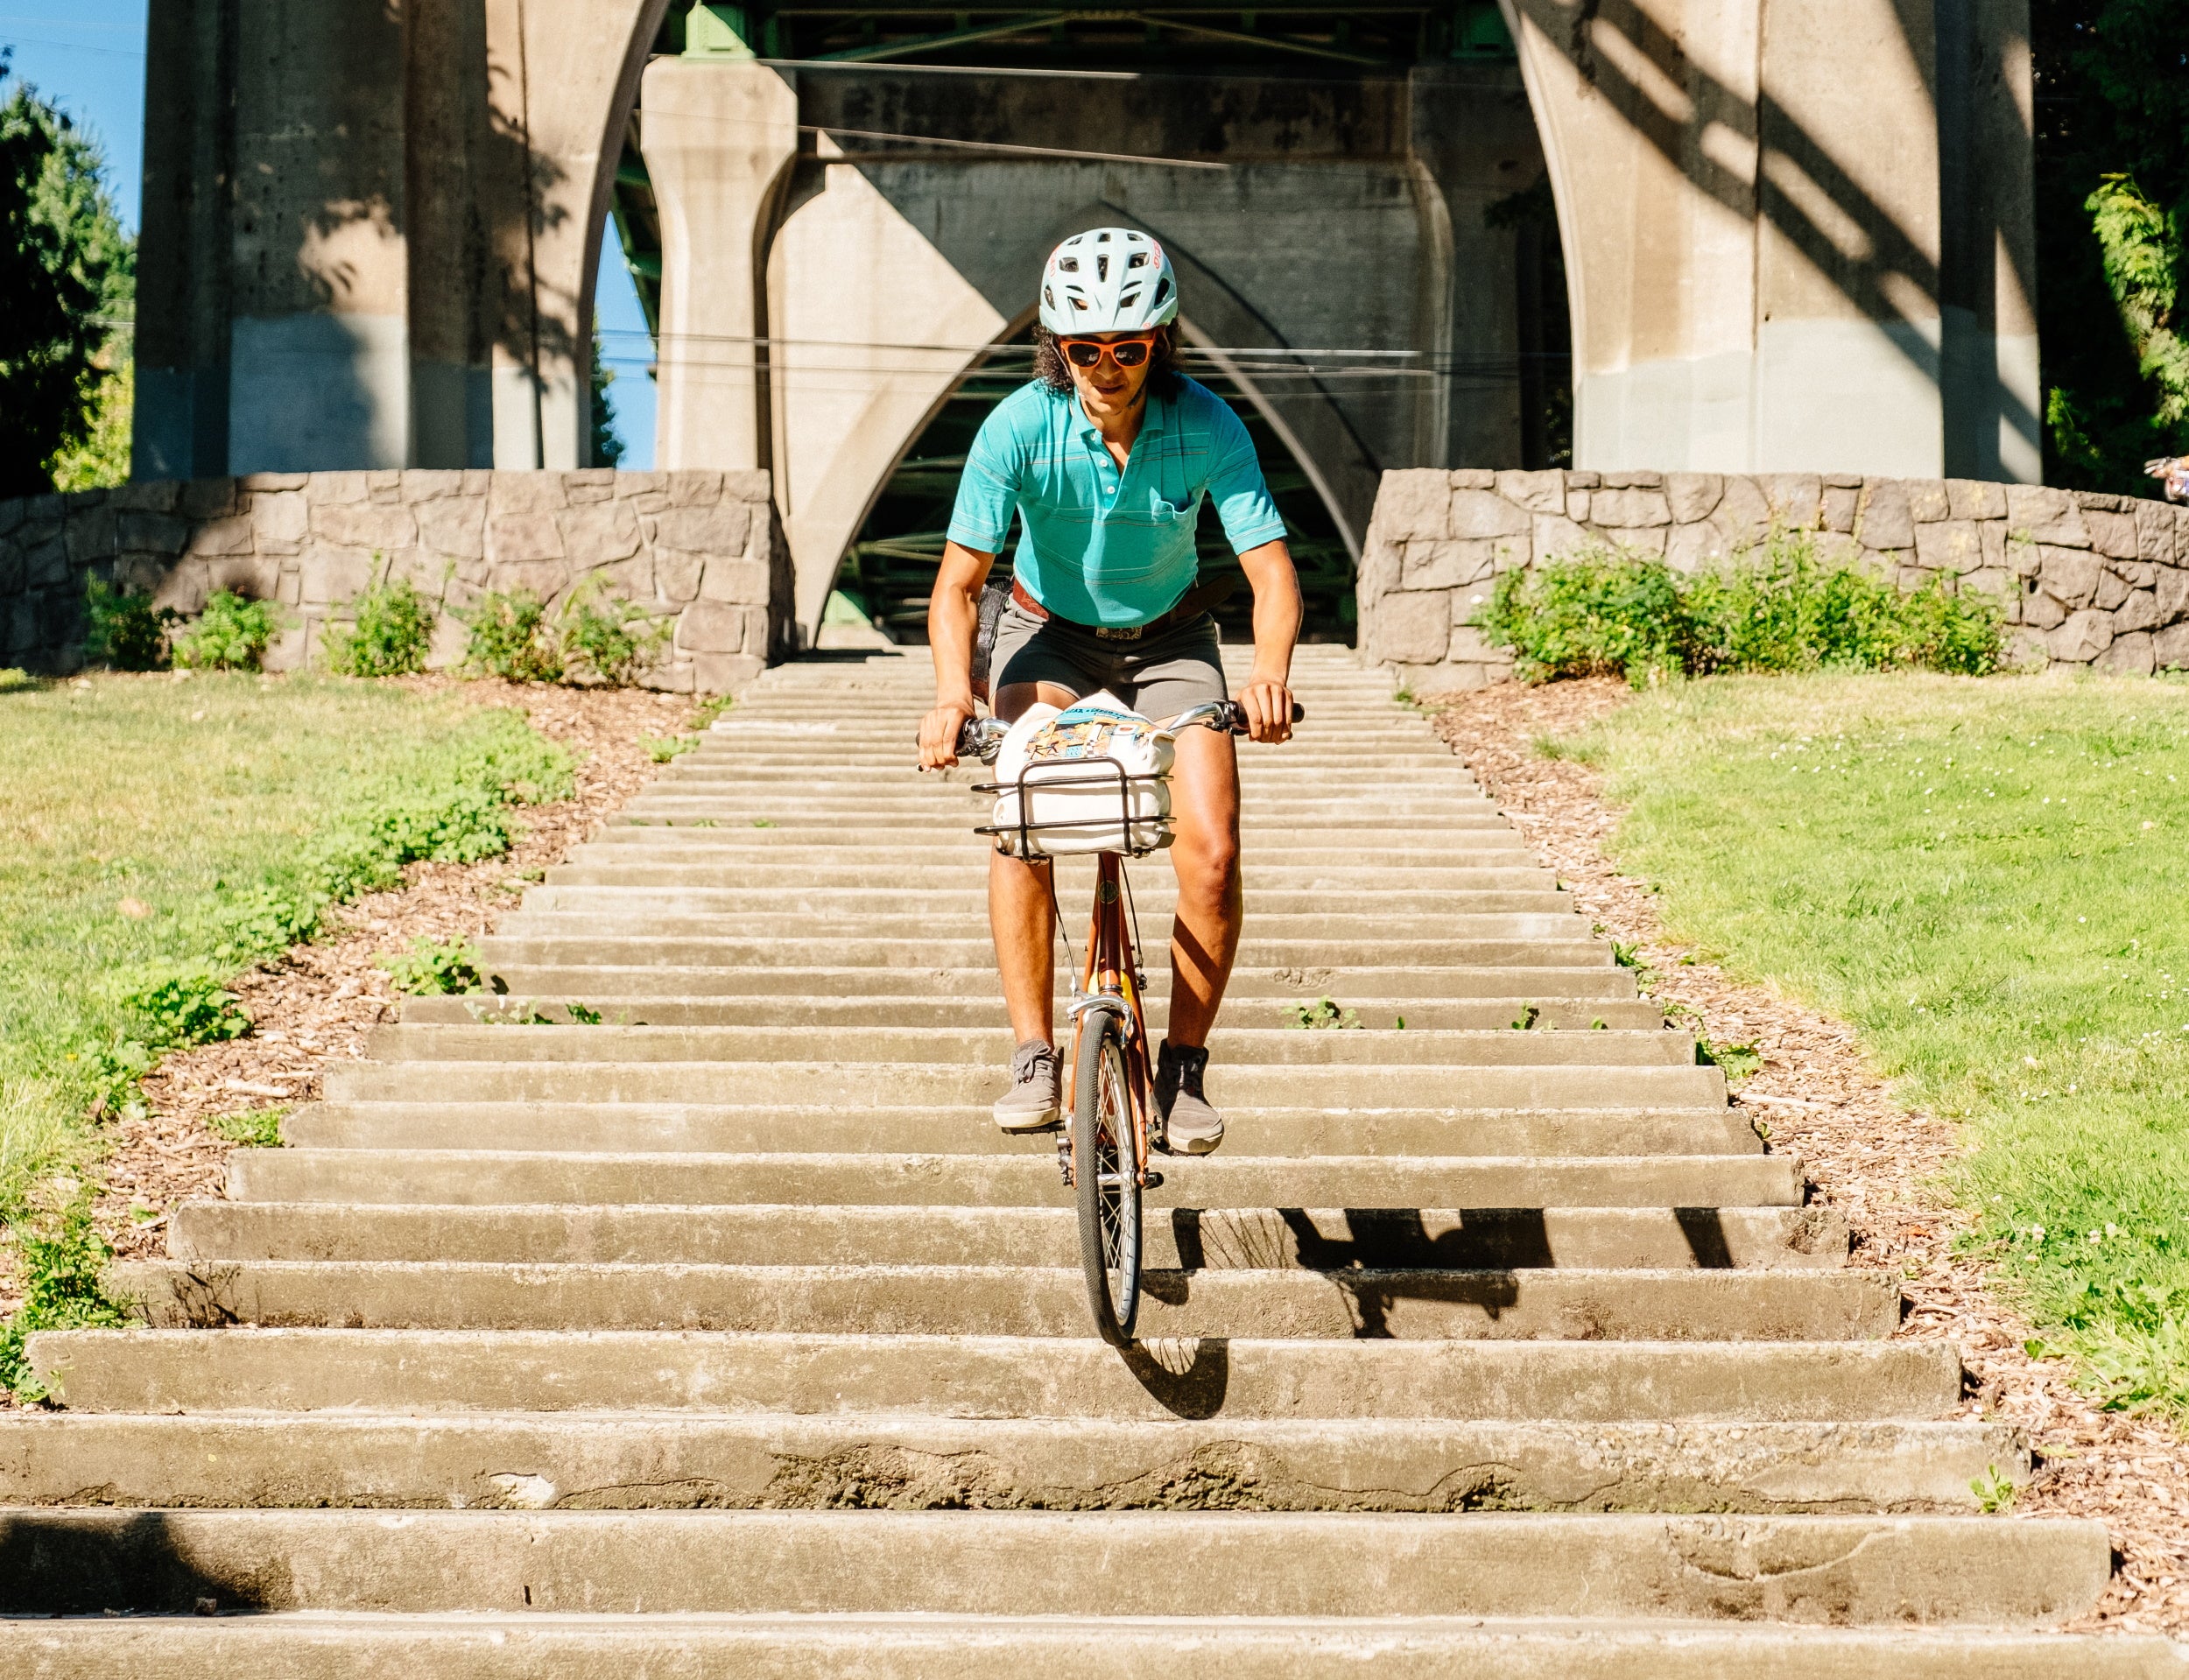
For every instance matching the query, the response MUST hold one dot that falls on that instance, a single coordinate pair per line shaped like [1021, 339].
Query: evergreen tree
[608, 443]
[2113, 198]
[68, 272]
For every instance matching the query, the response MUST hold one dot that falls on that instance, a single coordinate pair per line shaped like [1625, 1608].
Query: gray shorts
[1158, 675]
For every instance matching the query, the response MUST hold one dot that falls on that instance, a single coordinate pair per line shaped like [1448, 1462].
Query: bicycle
[1111, 1122]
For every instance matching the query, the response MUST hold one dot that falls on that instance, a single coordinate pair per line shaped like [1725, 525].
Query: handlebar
[982, 738]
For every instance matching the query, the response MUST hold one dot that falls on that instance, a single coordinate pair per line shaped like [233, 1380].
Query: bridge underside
[1774, 235]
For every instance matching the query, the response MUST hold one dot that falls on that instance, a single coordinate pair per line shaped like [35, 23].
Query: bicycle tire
[1109, 1186]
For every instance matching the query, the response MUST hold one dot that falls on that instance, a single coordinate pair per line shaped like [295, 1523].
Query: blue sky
[87, 57]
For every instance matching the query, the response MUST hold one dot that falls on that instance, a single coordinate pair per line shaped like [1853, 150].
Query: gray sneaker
[1030, 1105]
[1190, 1126]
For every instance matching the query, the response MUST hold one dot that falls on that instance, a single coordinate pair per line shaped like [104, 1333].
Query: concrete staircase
[682, 1312]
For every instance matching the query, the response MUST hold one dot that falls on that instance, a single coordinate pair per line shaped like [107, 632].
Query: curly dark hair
[1053, 371]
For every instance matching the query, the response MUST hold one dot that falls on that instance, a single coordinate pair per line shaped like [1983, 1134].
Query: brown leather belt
[1191, 604]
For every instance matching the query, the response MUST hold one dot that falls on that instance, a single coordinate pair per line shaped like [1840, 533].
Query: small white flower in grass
[2037, 1231]
[2029, 1061]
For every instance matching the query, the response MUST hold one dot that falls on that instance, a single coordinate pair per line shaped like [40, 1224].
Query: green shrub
[13, 677]
[432, 969]
[232, 633]
[391, 635]
[61, 1255]
[606, 639]
[125, 630]
[1602, 612]
[510, 638]
[188, 1007]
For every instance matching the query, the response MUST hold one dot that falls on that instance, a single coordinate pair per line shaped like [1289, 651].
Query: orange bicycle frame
[1112, 972]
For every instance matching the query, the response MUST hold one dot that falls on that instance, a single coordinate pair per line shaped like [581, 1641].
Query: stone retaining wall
[703, 548]
[2087, 580]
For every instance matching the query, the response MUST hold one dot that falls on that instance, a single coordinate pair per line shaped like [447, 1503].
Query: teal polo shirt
[1100, 547]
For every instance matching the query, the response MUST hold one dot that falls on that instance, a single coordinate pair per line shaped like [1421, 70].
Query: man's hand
[939, 733]
[1269, 707]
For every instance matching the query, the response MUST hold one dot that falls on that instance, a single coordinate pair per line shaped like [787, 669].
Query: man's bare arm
[1267, 694]
[953, 617]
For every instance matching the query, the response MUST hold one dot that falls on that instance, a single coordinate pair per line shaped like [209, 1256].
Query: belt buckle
[1119, 632]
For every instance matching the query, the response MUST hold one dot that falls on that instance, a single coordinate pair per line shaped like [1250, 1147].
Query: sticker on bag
[1095, 778]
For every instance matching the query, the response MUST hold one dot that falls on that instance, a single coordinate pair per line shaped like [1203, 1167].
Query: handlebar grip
[1239, 716]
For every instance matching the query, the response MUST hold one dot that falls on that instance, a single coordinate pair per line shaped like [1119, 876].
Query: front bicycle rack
[1123, 779]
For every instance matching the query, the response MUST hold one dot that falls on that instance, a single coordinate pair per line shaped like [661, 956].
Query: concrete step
[947, 906]
[919, 921]
[533, 1647]
[563, 950]
[847, 1015]
[1542, 1083]
[735, 1129]
[1884, 1571]
[601, 867]
[1513, 1304]
[485, 1176]
[1233, 1050]
[827, 848]
[1324, 1239]
[1427, 983]
[467, 1372]
[673, 1461]
[967, 1129]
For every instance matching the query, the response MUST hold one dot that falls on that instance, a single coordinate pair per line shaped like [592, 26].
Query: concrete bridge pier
[369, 231]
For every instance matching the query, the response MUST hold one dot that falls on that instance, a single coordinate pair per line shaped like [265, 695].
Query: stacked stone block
[2086, 579]
[703, 549]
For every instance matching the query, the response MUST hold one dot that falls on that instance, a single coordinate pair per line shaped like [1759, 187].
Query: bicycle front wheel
[1107, 1179]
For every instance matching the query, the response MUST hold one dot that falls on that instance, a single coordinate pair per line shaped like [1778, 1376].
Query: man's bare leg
[1205, 855]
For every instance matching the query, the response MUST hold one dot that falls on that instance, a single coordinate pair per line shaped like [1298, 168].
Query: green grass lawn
[149, 825]
[1990, 878]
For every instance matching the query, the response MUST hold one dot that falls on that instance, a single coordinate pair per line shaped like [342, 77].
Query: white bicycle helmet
[1107, 280]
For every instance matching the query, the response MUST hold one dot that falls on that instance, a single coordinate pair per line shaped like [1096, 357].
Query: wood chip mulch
[318, 1004]
[1865, 1155]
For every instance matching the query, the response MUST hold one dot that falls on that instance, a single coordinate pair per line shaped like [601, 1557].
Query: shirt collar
[1158, 418]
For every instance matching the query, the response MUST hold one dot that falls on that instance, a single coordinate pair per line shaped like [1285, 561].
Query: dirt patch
[1867, 1156]
[317, 1005]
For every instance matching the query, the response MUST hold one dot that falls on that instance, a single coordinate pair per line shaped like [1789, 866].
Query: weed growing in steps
[436, 969]
[662, 749]
[1607, 612]
[1323, 1014]
[1528, 1017]
[163, 837]
[1987, 879]
[258, 1129]
[1995, 1491]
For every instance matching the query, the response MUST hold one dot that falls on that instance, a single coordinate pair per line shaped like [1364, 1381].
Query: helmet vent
[1069, 264]
[1101, 267]
[1137, 260]
[1162, 290]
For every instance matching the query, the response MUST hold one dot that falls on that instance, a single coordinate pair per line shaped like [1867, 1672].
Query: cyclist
[1106, 457]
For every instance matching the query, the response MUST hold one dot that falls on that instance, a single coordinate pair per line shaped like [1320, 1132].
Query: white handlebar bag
[1096, 778]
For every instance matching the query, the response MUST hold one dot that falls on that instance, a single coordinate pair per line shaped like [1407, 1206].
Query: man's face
[1106, 387]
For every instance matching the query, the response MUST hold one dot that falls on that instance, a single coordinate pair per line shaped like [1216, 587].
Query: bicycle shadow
[1188, 1377]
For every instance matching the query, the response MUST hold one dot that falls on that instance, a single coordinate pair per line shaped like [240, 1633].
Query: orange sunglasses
[1125, 351]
